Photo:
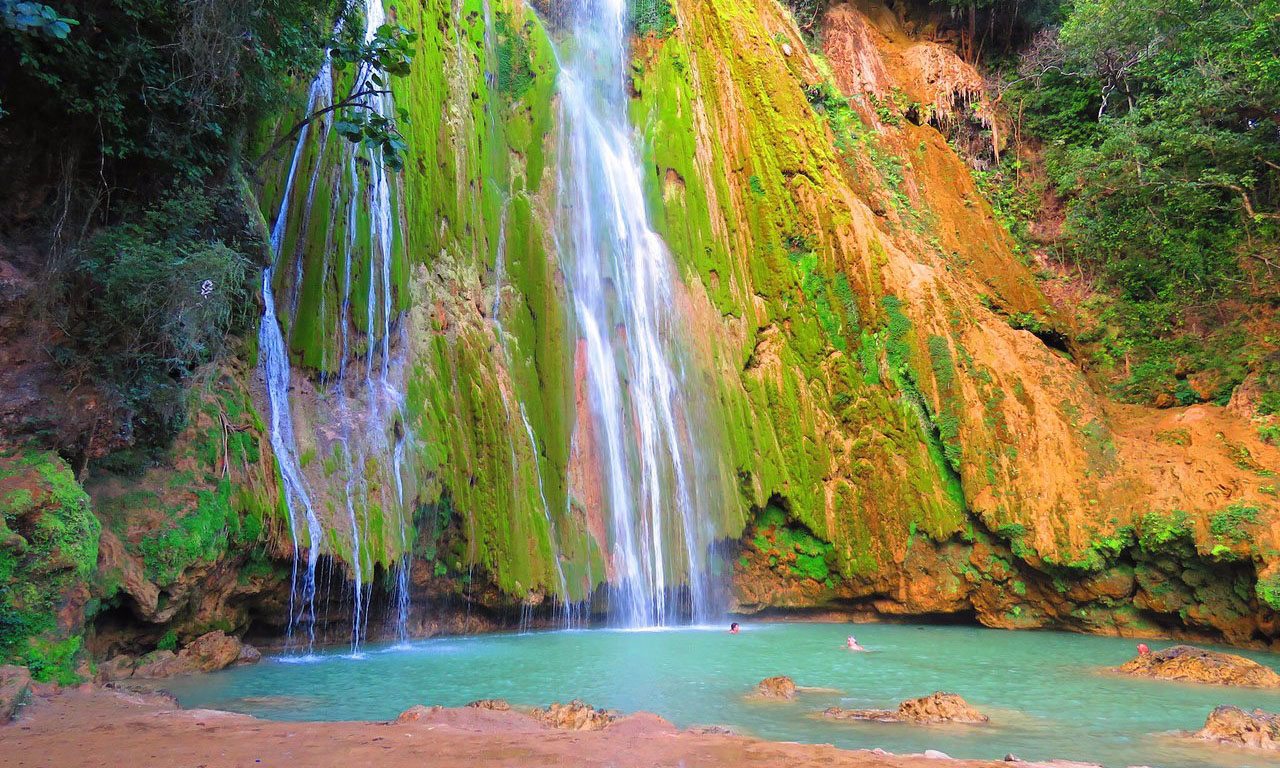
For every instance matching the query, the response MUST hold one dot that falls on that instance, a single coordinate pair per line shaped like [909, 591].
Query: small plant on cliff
[652, 18]
[1268, 591]
[1164, 532]
[1232, 523]
[169, 642]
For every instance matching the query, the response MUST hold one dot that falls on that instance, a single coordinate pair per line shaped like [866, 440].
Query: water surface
[1042, 690]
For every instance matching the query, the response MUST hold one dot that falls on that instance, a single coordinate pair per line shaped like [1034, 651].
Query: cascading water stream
[360, 434]
[276, 374]
[622, 283]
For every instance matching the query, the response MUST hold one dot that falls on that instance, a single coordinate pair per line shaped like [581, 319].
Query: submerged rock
[1186, 662]
[1232, 725]
[935, 708]
[497, 705]
[15, 686]
[780, 687]
[577, 715]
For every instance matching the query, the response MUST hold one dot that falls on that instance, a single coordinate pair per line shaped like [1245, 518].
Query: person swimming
[733, 628]
[1143, 650]
[853, 644]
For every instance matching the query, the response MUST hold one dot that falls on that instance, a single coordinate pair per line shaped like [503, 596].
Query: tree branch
[350, 101]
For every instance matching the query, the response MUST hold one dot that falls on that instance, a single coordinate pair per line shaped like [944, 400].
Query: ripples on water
[1043, 690]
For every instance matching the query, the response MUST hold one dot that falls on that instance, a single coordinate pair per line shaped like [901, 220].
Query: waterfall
[622, 283]
[276, 373]
[362, 432]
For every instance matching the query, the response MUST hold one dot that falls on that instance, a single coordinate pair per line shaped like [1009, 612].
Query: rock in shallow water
[935, 708]
[780, 687]
[1232, 725]
[1186, 662]
[497, 705]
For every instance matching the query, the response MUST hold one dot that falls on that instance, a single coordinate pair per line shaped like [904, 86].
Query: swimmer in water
[733, 628]
[852, 644]
[1143, 650]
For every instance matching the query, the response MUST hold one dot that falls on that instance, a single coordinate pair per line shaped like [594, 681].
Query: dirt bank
[100, 727]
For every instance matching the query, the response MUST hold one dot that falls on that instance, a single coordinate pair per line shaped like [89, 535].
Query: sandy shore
[103, 727]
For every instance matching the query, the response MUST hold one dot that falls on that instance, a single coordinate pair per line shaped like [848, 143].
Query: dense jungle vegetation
[129, 129]
[131, 132]
[1156, 125]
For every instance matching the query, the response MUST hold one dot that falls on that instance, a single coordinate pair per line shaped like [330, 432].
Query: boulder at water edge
[780, 687]
[934, 708]
[577, 715]
[497, 705]
[1232, 725]
[416, 712]
[1186, 662]
[15, 686]
[207, 653]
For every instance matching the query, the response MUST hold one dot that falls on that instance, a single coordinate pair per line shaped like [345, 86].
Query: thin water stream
[1044, 691]
[360, 433]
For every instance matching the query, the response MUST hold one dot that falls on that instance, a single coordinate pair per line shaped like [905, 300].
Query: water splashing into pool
[624, 299]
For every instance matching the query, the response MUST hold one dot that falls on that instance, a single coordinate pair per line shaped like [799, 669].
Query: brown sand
[99, 727]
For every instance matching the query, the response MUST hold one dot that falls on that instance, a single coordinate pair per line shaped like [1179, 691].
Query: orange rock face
[935, 708]
[1185, 662]
[780, 687]
[577, 715]
[1234, 726]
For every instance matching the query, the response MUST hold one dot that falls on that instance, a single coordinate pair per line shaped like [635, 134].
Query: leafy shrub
[153, 298]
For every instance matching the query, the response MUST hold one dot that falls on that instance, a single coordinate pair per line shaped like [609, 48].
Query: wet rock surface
[1189, 663]
[577, 715]
[1232, 725]
[497, 705]
[779, 687]
[935, 708]
[207, 653]
[15, 687]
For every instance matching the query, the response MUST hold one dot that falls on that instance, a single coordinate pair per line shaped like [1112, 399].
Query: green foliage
[652, 18]
[791, 546]
[807, 14]
[1232, 523]
[1154, 119]
[169, 642]
[149, 90]
[1164, 532]
[1014, 201]
[153, 298]
[204, 534]
[515, 67]
[48, 544]
[1268, 591]
[35, 19]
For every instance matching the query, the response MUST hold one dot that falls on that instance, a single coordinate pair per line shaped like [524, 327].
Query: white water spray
[622, 282]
